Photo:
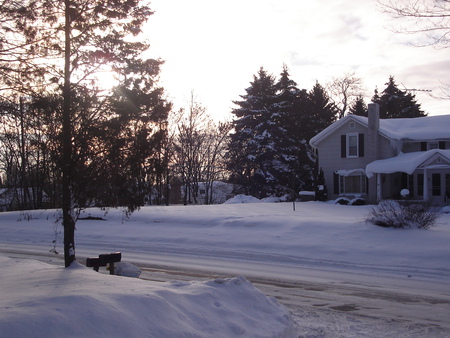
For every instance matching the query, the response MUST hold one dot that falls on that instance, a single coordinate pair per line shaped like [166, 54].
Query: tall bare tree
[344, 90]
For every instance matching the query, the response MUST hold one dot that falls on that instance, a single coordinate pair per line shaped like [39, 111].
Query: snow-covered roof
[405, 162]
[419, 129]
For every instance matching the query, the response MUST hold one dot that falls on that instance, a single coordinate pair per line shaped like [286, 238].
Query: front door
[439, 188]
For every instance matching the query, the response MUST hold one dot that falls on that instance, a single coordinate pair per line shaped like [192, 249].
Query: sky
[214, 48]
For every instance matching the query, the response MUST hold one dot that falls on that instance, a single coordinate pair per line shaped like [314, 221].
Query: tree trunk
[67, 205]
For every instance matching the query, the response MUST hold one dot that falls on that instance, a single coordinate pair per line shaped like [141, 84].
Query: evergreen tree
[359, 107]
[395, 103]
[251, 146]
[294, 149]
[321, 112]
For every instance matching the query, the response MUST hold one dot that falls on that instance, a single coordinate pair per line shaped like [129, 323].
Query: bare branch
[430, 19]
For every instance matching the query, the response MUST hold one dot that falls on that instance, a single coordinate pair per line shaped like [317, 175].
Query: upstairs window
[424, 146]
[352, 145]
[433, 145]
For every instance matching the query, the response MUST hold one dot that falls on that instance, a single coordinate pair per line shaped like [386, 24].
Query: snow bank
[242, 199]
[250, 199]
[41, 300]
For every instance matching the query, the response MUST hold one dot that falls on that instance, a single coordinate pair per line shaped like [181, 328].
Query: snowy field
[268, 240]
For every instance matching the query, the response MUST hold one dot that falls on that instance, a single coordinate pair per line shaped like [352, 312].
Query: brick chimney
[373, 149]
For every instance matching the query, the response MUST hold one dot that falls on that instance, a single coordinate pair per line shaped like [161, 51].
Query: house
[378, 159]
[216, 192]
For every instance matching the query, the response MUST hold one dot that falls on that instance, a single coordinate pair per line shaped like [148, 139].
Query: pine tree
[322, 112]
[61, 47]
[359, 107]
[251, 146]
[395, 103]
[292, 104]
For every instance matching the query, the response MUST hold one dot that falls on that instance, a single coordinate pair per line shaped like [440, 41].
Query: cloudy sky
[213, 48]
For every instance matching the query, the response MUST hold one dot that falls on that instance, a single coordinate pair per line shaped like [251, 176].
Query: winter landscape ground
[253, 270]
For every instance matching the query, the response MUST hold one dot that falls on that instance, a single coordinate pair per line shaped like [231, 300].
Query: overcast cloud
[214, 48]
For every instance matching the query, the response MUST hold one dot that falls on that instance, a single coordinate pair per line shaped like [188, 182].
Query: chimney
[373, 125]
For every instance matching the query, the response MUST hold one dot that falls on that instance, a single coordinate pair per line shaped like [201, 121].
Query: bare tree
[213, 151]
[199, 145]
[344, 90]
[430, 19]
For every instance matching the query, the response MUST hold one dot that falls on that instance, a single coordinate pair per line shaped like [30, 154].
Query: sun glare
[105, 80]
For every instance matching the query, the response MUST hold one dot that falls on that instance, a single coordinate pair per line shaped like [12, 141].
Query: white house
[377, 158]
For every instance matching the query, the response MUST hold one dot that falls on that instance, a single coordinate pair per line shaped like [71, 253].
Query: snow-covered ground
[314, 243]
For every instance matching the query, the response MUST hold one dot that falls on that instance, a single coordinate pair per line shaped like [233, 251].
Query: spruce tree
[251, 146]
[396, 103]
[294, 150]
[322, 112]
[359, 107]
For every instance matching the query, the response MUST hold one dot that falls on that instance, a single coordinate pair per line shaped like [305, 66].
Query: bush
[358, 201]
[391, 214]
[342, 201]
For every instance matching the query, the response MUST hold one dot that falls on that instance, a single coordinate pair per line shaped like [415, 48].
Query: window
[352, 145]
[436, 184]
[352, 184]
[420, 184]
[424, 146]
[447, 185]
[433, 145]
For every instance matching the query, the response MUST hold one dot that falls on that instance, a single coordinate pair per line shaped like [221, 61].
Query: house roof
[406, 162]
[419, 129]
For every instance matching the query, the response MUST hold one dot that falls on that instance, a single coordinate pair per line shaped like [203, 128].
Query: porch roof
[404, 162]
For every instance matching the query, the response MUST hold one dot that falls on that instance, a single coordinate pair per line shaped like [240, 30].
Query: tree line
[69, 141]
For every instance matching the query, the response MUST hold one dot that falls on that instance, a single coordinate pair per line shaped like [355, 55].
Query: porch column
[379, 194]
[425, 185]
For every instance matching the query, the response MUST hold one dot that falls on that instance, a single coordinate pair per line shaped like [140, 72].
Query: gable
[346, 124]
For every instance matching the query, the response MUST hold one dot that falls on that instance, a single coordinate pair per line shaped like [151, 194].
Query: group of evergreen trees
[269, 153]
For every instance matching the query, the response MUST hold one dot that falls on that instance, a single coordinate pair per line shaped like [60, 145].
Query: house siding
[330, 157]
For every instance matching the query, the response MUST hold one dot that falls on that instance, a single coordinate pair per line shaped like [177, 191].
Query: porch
[426, 175]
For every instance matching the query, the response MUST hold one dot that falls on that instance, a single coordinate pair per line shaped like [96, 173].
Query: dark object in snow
[342, 201]
[103, 260]
[358, 201]
[91, 218]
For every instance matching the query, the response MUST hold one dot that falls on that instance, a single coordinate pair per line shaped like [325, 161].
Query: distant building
[215, 193]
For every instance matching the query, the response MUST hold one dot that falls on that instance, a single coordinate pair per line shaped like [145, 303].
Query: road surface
[324, 303]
